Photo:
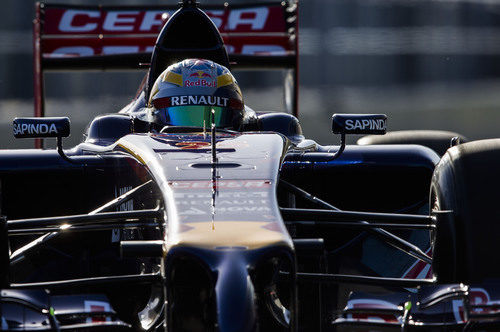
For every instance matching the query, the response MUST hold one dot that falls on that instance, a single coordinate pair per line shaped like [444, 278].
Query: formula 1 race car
[257, 229]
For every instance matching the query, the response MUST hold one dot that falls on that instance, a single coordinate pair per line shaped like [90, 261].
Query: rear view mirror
[356, 124]
[44, 127]
[41, 127]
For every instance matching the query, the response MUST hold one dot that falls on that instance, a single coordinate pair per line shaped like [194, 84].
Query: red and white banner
[92, 31]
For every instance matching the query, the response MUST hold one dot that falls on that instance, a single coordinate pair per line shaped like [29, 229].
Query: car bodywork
[201, 229]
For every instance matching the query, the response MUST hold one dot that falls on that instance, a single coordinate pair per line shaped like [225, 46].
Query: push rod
[84, 282]
[105, 217]
[290, 214]
[18, 255]
[303, 277]
[123, 198]
[361, 226]
[389, 238]
[80, 228]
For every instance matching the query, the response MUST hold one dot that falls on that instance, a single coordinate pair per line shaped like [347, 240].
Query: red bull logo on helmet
[200, 78]
[200, 74]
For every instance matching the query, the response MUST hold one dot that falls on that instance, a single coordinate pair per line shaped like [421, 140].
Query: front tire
[464, 197]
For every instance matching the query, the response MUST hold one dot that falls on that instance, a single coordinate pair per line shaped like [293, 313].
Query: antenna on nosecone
[214, 164]
[213, 134]
[189, 3]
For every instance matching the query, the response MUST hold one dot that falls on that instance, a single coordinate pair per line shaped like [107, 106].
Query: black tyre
[4, 254]
[464, 196]
[437, 140]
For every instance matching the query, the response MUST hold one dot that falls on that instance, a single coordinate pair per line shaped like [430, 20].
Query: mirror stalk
[341, 148]
[60, 150]
[357, 124]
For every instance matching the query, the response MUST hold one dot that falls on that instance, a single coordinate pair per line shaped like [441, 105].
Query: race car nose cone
[235, 296]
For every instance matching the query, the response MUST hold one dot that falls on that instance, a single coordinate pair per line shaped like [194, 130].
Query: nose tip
[235, 294]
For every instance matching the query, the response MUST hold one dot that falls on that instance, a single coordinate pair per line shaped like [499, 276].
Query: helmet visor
[197, 116]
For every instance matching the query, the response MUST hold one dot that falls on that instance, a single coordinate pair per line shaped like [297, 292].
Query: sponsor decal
[188, 145]
[222, 184]
[61, 20]
[365, 124]
[477, 296]
[201, 196]
[367, 304]
[228, 202]
[225, 210]
[192, 145]
[34, 128]
[254, 18]
[199, 100]
[52, 48]
[200, 74]
[136, 30]
[236, 199]
[116, 234]
[91, 21]
[97, 306]
[200, 82]
[191, 136]
[190, 149]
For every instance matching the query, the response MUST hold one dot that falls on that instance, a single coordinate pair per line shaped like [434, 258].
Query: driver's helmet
[195, 93]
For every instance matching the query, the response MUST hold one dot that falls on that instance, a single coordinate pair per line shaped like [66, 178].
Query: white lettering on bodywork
[199, 100]
[38, 128]
[120, 21]
[152, 19]
[67, 24]
[365, 124]
[241, 17]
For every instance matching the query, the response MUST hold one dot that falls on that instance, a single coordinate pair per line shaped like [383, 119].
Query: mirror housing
[355, 124]
[359, 124]
[44, 127]
[41, 127]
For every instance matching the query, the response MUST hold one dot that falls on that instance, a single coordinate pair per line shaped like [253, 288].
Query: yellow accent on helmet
[153, 93]
[238, 91]
[224, 79]
[174, 78]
